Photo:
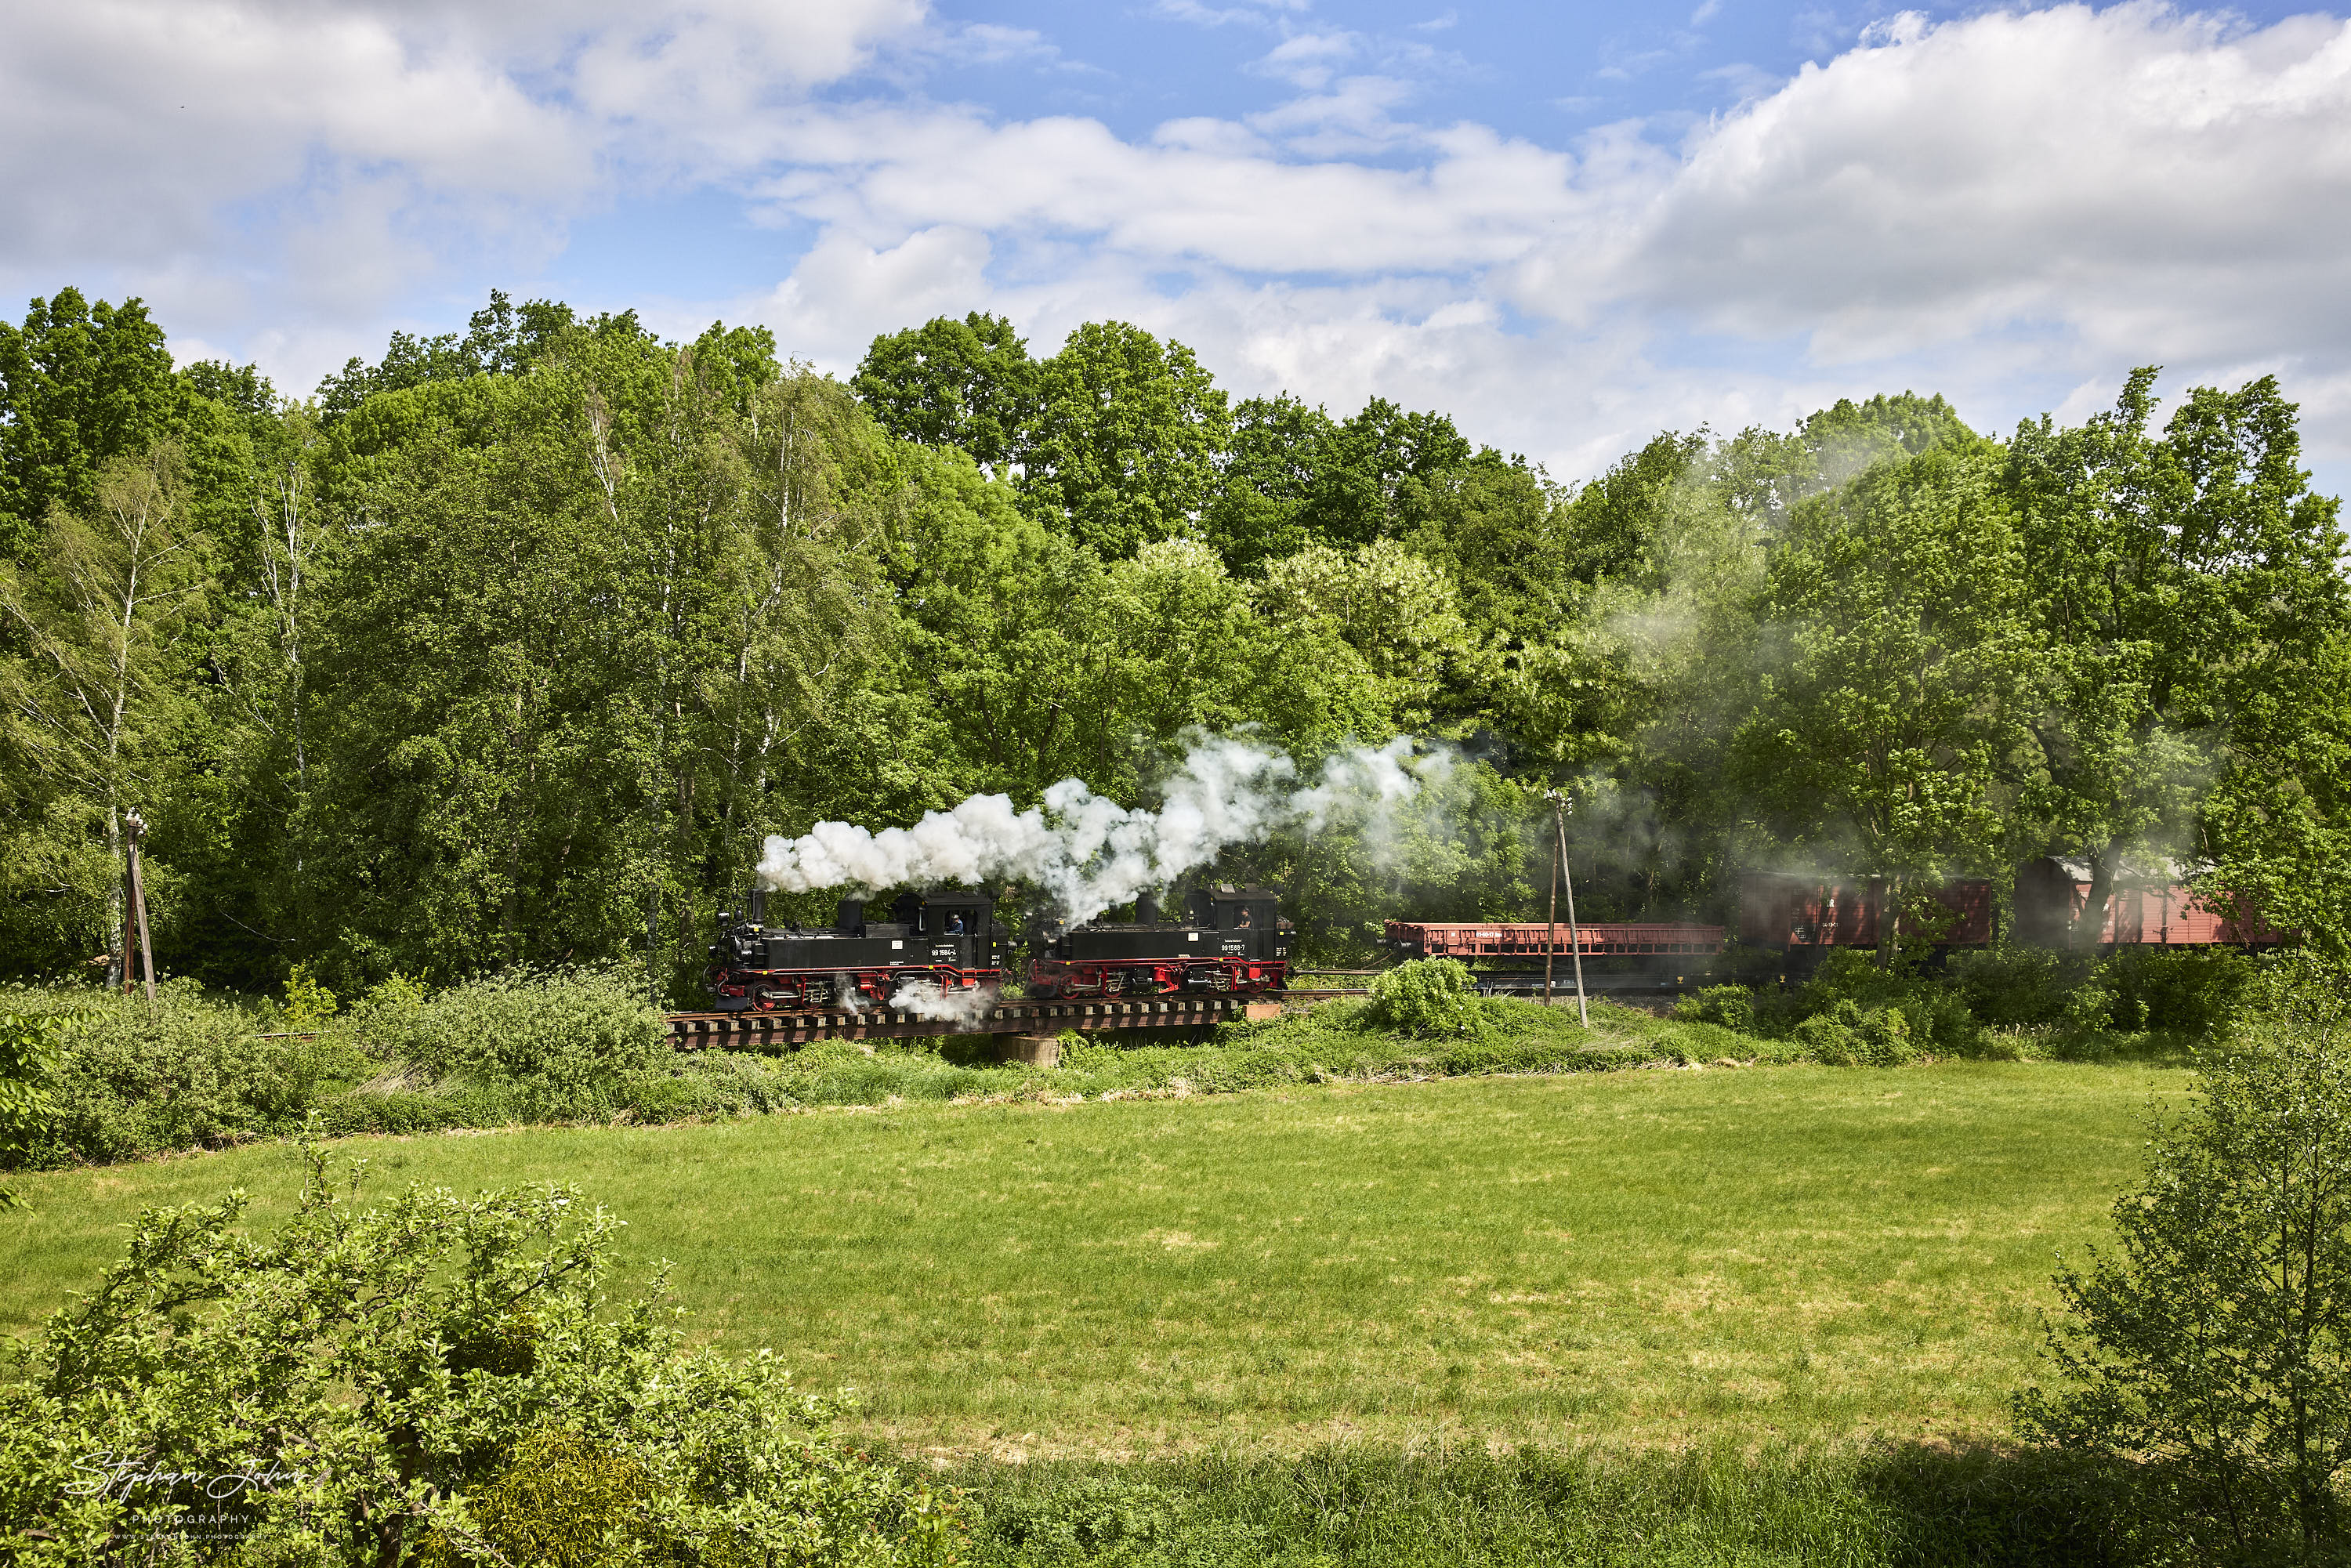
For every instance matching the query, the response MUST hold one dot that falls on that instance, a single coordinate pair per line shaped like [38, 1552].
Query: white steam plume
[1086, 853]
[925, 1000]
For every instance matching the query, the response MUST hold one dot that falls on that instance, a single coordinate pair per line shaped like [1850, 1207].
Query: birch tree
[89, 704]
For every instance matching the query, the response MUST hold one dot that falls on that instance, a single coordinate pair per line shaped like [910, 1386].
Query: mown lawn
[1769, 1256]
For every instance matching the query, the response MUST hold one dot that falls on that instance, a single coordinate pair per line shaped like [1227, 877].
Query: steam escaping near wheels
[1087, 853]
[925, 1000]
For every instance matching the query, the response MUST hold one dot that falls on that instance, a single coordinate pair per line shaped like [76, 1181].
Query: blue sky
[1568, 226]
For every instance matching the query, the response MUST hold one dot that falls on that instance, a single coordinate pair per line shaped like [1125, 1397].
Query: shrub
[1885, 1038]
[556, 1502]
[1828, 1040]
[2183, 990]
[1850, 988]
[557, 1042]
[1847, 1036]
[441, 1378]
[1430, 997]
[2013, 987]
[29, 1052]
[308, 1004]
[130, 1081]
[2211, 1343]
[1731, 1006]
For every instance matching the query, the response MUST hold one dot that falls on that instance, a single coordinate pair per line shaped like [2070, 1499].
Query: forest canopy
[510, 646]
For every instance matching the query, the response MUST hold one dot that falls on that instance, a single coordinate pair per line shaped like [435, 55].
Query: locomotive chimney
[1146, 909]
[758, 906]
[851, 918]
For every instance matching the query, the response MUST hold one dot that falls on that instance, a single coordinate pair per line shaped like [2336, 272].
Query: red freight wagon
[1501, 939]
[2141, 910]
[1781, 909]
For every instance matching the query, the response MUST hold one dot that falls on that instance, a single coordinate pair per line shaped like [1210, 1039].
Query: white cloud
[1265, 15]
[365, 144]
[129, 125]
[2150, 182]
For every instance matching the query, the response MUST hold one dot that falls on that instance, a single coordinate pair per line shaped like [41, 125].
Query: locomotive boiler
[948, 938]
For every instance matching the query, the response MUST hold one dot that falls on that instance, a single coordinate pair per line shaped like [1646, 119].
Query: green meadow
[1784, 1258]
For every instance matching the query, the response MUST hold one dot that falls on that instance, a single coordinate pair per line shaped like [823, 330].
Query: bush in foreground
[2214, 1344]
[434, 1381]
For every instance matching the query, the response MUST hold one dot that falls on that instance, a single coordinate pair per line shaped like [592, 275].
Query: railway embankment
[202, 1071]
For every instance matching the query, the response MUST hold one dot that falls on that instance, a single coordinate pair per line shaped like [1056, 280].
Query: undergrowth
[204, 1070]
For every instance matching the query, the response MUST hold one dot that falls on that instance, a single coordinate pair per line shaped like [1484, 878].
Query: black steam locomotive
[948, 938]
[1232, 941]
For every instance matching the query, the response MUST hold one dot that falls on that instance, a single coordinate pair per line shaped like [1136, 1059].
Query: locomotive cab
[956, 928]
[1247, 921]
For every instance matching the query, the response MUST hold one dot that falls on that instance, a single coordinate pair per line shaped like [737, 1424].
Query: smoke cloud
[1087, 853]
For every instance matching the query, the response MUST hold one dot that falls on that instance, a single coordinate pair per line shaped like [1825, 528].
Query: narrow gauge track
[692, 1031]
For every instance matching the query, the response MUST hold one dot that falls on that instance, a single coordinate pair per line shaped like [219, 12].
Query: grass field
[1785, 1256]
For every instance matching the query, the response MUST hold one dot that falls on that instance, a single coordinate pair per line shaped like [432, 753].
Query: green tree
[1034, 659]
[1291, 476]
[1272, 463]
[597, 627]
[2189, 596]
[1846, 437]
[91, 706]
[1127, 434]
[967, 383]
[82, 386]
[1390, 619]
[480, 718]
[1611, 521]
[1651, 664]
[1889, 718]
[1495, 525]
[1378, 472]
[501, 339]
[2211, 1349]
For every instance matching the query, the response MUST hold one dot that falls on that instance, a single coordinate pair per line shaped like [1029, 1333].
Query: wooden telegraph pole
[138, 829]
[1562, 874]
[1550, 929]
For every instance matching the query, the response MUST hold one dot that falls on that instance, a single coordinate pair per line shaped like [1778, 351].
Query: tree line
[509, 646]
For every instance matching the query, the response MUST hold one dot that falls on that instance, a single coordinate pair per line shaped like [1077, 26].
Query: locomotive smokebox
[852, 917]
[1146, 909]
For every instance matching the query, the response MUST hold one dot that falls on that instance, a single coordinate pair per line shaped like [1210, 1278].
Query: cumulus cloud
[349, 149]
[2152, 181]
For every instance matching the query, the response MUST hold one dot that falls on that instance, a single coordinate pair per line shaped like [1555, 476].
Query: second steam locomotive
[948, 943]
